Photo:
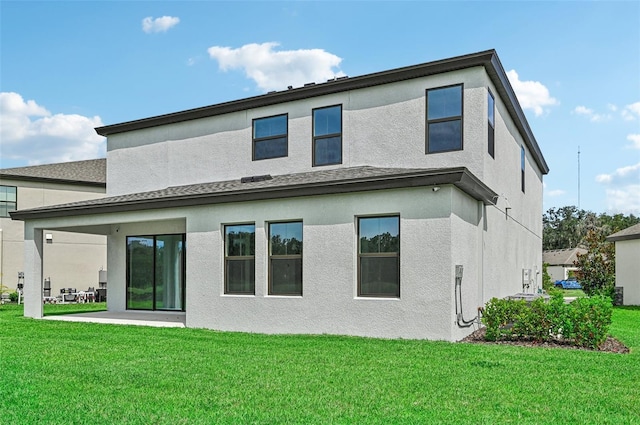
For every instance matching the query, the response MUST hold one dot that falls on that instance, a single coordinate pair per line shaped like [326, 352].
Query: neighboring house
[627, 243]
[70, 260]
[561, 262]
[392, 204]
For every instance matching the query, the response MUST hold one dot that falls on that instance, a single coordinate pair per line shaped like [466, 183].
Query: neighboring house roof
[562, 257]
[629, 233]
[91, 172]
[488, 59]
[340, 180]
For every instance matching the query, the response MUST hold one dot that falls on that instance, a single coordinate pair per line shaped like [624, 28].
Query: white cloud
[162, 24]
[624, 201]
[31, 133]
[623, 191]
[635, 140]
[583, 110]
[275, 70]
[593, 116]
[531, 94]
[631, 112]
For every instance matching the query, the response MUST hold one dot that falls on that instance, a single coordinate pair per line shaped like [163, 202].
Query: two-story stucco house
[390, 205]
[69, 260]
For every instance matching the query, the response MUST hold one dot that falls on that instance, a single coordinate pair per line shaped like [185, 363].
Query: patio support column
[32, 272]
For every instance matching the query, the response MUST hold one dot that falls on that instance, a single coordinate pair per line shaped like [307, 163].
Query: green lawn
[81, 373]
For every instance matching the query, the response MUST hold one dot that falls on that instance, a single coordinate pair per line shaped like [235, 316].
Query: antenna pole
[578, 176]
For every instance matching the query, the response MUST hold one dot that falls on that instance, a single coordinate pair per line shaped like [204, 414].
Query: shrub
[13, 297]
[591, 318]
[585, 322]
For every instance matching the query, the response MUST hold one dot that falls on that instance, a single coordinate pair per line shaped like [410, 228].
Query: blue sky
[67, 67]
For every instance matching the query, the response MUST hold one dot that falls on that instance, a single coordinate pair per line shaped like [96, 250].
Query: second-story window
[491, 116]
[270, 137]
[8, 200]
[327, 135]
[444, 119]
[523, 161]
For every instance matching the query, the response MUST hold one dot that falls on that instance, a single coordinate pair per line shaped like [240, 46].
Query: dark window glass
[270, 127]
[445, 136]
[270, 137]
[327, 121]
[522, 164]
[327, 135]
[491, 118]
[270, 148]
[240, 242]
[169, 271]
[379, 276]
[8, 200]
[444, 119]
[140, 276]
[328, 150]
[285, 258]
[445, 103]
[379, 256]
[155, 272]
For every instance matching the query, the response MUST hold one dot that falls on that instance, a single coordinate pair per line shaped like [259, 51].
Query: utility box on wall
[526, 278]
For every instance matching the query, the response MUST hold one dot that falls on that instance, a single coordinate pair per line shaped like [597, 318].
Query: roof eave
[320, 89]
[459, 177]
[53, 180]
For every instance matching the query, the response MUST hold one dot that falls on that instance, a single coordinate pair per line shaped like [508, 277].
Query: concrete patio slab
[165, 319]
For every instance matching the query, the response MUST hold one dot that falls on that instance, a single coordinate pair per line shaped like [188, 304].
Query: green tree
[565, 227]
[596, 268]
[547, 282]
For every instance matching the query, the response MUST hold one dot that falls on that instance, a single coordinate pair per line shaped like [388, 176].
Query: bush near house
[584, 322]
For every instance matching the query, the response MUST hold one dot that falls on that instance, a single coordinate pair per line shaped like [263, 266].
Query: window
[522, 163]
[379, 256]
[270, 137]
[444, 119]
[327, 135]
[285, 258]
[8, 200]
[491, 116]
[155, 272]
[239, 259]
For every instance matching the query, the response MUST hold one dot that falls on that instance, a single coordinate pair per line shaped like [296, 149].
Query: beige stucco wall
[71, 260]
[628, 270]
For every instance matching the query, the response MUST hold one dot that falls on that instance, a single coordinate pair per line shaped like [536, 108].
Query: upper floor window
[285, 258]
[444, 119]
[239, 259]
[8, 200]
[270, 137]
[327, 135]
[379, 256]
[491, 116]
[522, 164]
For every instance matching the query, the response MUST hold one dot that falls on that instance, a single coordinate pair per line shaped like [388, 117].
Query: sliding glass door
[155, 272]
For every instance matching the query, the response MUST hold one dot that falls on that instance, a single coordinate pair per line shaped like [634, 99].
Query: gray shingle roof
[562, 257]
[92, 172]
[340, 180]
[629, 233]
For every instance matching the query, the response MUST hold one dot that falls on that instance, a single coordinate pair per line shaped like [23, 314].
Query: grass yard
[80, 373]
